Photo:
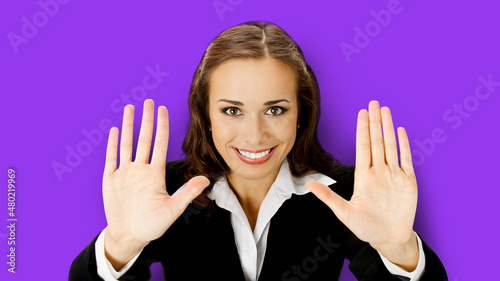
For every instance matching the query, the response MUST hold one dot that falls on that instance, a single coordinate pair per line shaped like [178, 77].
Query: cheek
[285, 130]
[222, 134]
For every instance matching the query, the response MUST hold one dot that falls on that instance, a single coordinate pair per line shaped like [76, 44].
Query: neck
[251, 193]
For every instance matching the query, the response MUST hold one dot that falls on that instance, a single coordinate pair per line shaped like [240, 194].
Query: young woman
[257, 197]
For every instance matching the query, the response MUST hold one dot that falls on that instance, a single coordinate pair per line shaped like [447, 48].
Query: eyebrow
[267, 103]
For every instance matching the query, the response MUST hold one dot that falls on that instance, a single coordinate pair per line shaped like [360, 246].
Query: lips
[254, 157]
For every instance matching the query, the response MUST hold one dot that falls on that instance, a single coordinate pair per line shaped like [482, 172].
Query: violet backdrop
[68, 68]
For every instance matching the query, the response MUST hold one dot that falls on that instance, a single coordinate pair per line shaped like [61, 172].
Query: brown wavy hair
[254, 40]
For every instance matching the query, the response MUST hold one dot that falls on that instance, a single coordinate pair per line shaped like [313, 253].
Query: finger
[339, 205]
[193, 188]
[377, 143]
[111, 151]
[127, 135]
[404, 148]
[161, 138]
[391, 148]
[363, 156]
[146, 133]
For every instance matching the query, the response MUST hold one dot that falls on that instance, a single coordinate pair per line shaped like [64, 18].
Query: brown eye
[275, 110]
[233, 111]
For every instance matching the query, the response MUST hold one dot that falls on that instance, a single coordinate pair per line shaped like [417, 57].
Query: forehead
[253, 80]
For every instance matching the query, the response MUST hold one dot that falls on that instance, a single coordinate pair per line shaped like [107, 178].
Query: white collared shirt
[252, 245]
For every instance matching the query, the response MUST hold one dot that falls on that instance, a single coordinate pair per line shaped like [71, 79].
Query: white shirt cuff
[104, 268]
[415, 274]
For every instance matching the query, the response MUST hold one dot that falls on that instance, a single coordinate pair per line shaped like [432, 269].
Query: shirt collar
[283, 187]
[286, 184]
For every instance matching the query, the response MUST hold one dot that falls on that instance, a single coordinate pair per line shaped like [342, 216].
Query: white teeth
[254, 155]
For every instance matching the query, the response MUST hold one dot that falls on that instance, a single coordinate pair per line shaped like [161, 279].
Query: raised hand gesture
[383, 205]
[137, 205]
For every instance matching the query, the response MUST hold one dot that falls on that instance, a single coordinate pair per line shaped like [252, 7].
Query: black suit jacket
[306, 241]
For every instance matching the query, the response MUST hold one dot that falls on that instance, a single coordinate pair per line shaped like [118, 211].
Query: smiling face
[253, 109]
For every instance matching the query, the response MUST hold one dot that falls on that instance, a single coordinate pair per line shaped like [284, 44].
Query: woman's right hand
[137, 205]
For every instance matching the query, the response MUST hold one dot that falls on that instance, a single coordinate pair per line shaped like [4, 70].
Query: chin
[254, 173]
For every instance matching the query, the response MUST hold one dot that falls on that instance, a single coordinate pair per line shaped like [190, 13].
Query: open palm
[137, 205]
[382, 208]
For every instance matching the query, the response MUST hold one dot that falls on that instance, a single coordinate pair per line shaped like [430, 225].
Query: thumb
[337, 204]
[193, 188]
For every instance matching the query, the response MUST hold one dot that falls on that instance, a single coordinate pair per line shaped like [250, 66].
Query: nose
[254, 131]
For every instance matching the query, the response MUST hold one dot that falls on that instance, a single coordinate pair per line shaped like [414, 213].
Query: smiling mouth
[254, 154]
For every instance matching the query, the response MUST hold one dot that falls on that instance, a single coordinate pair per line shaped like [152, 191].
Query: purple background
[69, 76]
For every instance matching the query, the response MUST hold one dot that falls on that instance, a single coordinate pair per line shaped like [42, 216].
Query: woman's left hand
[383, 205]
